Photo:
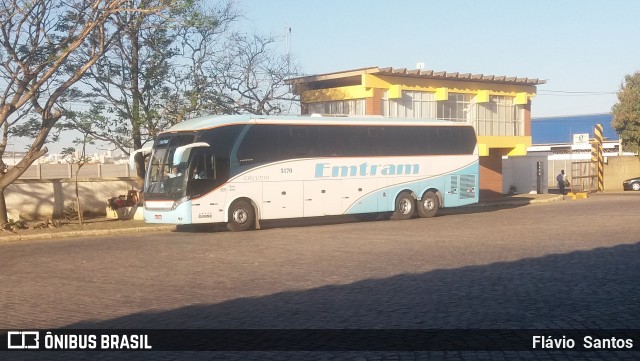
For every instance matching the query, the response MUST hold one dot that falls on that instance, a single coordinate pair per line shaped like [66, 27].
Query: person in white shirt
[175, 172]
[561, 181]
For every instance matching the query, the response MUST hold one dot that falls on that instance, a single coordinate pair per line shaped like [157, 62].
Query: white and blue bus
[242, 169]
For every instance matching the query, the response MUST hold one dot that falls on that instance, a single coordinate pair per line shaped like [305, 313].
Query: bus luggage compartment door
[322, 198]
[359, 195]
[282, 199]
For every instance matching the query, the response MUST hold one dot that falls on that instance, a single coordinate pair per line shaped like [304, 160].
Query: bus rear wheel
[405, 207]
[242, 216]
[428, 205]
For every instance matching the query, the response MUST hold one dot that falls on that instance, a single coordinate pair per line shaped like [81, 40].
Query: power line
[573, 93]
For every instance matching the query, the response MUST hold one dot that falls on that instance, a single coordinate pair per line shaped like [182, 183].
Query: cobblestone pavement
[102, 226]
[560, 265]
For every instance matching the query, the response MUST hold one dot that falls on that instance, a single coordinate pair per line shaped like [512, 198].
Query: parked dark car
[632, 184]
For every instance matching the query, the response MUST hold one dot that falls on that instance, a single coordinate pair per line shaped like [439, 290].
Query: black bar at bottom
[326, 340]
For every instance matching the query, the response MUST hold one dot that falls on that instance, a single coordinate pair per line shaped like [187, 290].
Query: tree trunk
[136, 122]
[3, 208]
[80, 216]
[13, 174]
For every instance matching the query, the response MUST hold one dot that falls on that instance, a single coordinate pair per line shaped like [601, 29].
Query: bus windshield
[164, 178]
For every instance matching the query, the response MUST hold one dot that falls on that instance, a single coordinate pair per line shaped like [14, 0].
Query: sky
[583, 49]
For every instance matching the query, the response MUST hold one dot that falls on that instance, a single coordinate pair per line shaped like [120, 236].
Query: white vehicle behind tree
[241, 169]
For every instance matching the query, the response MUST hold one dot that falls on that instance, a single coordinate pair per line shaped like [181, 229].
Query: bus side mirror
[132, 157]
[181, 151]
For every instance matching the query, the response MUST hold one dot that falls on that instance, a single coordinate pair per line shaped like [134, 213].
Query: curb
[516, 202]
[96, 232]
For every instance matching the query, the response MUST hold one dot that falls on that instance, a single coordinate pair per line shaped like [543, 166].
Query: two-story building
[499, 107]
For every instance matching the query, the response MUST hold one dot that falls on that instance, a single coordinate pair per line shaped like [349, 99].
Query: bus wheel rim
[429, 204]
[405, 206]
[240, 216]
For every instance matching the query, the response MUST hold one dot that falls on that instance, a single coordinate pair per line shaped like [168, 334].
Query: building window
[416, 104]
[499, 116]
[413, 104]
[345, 107]
[454, 109]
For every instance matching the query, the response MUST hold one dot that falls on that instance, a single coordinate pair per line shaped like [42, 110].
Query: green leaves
[626, 113]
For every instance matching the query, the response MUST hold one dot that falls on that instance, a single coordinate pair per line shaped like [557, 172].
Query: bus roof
[213, 121]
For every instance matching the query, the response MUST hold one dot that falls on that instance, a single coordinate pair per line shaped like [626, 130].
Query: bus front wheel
[242, 216]
[405, 207]
[428, 205]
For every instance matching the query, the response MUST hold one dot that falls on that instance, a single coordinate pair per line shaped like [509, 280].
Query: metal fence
[63, 171]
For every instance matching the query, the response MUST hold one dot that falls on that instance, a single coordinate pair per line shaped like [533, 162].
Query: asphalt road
[560, 265]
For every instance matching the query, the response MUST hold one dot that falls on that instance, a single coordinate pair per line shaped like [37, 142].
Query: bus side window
[467, 140]
[203, 166]
[445, 140]
[405, 141]
[298, 141]
[260, 145]
[338, 141]
[372, 139]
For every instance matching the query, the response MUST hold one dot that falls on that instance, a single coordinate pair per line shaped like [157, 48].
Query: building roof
[419, 73]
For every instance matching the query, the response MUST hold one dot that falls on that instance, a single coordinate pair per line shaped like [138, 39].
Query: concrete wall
[38, 199]
[521, 172]
[63, 171]
[617, 169]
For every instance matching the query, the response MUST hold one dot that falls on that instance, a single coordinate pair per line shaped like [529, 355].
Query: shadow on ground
[596, 289]
[368, 217]
[585, 289]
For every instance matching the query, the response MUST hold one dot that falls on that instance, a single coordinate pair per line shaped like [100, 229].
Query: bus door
[322, 198]
[282, 199]
[452, 191]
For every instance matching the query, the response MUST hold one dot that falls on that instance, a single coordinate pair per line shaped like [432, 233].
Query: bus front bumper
[164, 213]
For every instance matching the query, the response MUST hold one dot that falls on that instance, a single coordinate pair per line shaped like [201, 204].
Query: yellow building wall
[341, 93]
[509, 145]
[521, 94]
[457, 86]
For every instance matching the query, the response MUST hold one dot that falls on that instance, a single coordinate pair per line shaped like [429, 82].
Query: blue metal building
[553, 130]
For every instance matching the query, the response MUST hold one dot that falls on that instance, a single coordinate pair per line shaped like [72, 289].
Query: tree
[46, 47]
[82, 123]
[182, 63]
[250, 76]
[626, 113]
[132, 81]
[242, 74]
